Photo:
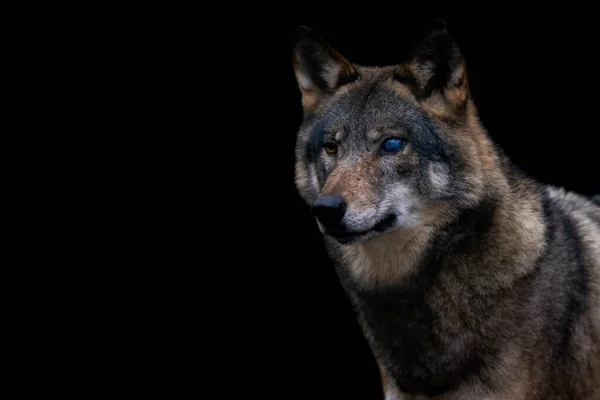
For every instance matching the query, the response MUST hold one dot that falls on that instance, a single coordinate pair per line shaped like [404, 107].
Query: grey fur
[487, 285]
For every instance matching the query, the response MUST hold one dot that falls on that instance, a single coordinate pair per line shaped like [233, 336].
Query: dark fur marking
[575, 281]
[472, 227]
[428, 142]
[403, 170]
[346, 78]
[577, 295]
[407, 80]
[407, 329]
[315, 141]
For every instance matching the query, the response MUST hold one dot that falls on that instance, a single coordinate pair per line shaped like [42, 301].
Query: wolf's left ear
[319, 68]
[436, 66]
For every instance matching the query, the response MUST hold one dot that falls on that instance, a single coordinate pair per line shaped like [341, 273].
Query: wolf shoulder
[579, 207]
[584, 216]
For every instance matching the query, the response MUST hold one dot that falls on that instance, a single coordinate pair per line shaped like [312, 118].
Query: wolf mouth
[346, 237]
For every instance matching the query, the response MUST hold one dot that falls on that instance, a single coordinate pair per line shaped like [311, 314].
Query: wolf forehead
[366, 111]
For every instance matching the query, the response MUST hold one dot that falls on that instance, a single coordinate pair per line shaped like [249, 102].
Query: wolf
[469, 278]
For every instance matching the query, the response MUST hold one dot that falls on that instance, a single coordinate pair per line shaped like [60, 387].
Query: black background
[533, 77]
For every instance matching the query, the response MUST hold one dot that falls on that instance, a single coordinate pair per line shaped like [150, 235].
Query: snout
[347, 223]
[329, 210]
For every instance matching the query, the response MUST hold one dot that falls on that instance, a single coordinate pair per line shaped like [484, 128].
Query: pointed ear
[319, 68]
[436, 66]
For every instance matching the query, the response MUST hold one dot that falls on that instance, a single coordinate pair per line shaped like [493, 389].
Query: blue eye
[393, 145]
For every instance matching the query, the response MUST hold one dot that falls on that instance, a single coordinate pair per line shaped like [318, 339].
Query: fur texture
[470, 280]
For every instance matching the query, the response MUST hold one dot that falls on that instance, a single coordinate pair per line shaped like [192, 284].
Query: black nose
[329, 209]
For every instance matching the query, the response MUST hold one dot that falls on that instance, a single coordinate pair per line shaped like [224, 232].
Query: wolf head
[382, 148]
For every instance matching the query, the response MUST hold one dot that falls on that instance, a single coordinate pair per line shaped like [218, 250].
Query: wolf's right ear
[436, 66]
[319, 68]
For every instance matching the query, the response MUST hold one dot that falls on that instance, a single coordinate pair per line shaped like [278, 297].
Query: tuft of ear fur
[436, 66]
[319, 68]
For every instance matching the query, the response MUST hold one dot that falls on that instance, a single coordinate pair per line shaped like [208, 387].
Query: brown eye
[330, 148]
